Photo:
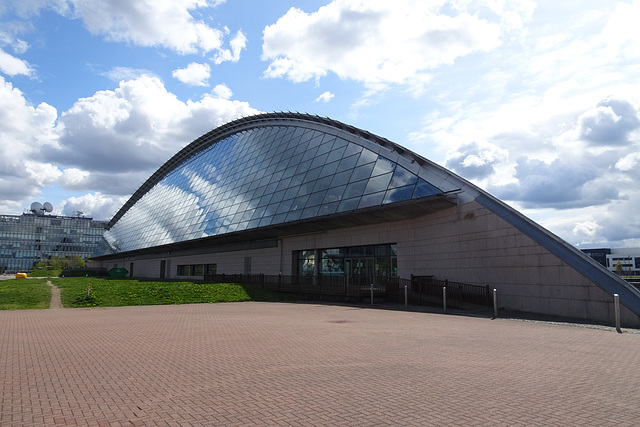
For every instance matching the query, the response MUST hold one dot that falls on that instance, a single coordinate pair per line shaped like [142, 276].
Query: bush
[45, 273]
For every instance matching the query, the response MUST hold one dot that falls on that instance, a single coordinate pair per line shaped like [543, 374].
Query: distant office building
[31, 237]
[304, 196]
[628, 260]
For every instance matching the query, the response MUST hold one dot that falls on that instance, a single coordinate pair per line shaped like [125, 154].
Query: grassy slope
[126, 292]
[22, 294]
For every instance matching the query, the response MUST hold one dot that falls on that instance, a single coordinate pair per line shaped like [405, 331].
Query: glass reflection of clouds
[259, 177]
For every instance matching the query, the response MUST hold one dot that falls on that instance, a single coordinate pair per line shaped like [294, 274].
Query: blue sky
[537, 102]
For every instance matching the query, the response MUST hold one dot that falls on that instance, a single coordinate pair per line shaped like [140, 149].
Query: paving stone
[287, 364]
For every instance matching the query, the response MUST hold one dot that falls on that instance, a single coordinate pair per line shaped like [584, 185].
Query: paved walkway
[56, 301]
[285, 364]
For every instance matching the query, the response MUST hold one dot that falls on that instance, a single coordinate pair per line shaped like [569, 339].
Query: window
[197, 270]
[340, 261]
[306, 263]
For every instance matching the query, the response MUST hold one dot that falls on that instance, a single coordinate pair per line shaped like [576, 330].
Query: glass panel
[318, 161]
[316, 198]
[322, 183]
[348, 163]
[398, 194]
[334, 194]
[424, 189]
[328, 209]
[336, 154]
[249, 180]
[371, 200]
[312, 175]
[355, 189]
[293, 216]
[341, 178]
[329, 169]
[383, 165]
[402, 177]
[379, 183]
[362, 172]
[348, 205]
[310, 212]
[367, 157]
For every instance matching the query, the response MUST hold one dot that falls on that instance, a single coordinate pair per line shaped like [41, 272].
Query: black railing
[422, 290]
[429, 290]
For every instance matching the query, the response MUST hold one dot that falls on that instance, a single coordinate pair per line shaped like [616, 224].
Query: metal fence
[421, 290]
[429, 290]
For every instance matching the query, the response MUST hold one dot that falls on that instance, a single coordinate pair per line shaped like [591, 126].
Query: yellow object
[21, 275]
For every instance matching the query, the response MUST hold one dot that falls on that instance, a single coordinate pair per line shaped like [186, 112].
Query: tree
[619, 268]
[64, 263]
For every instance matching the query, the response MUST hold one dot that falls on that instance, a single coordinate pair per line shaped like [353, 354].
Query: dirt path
[56, 302]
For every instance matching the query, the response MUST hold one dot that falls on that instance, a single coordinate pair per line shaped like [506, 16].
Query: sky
[536, 102]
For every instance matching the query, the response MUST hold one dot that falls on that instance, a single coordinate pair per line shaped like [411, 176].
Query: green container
[118, 272]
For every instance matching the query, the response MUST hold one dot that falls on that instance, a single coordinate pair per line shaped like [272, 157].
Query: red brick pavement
[282, 364]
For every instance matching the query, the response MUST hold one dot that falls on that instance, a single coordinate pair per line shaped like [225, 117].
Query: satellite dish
[36, 208]
[48, 207]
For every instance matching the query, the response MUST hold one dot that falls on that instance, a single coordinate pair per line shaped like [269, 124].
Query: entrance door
[359, 267]
[359, 274]
[163, 268]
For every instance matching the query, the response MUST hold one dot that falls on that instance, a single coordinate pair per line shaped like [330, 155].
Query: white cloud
[24, 131]
[71, 177]
[476, 160]
[325, 97]
[118, 74]
[222, 91]
[361, 41]
[609, 122]
[20, 47]
[12, 66]
[167, 23]
[171, 24]
[238, 43]
[628, 162]
[195, 74]
[621, 31]
[43, 174]
[122, 135]
[95, 205]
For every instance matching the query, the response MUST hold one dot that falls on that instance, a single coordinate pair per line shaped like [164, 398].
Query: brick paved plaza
[307, 364]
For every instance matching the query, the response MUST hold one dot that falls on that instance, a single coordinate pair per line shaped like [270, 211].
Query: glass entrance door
[359, 267]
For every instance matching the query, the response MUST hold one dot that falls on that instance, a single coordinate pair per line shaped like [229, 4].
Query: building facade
[623, 261]
[30, 238]
[295, 194]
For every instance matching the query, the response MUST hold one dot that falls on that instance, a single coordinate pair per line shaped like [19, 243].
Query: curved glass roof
[258, 177]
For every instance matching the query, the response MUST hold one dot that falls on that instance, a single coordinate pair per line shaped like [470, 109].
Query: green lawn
[23, 294]
[125, 292]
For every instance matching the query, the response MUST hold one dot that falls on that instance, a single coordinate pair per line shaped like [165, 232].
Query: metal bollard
[444, 299]
[616, 309]
[372, 294]
[495, 303]
[406, 297]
